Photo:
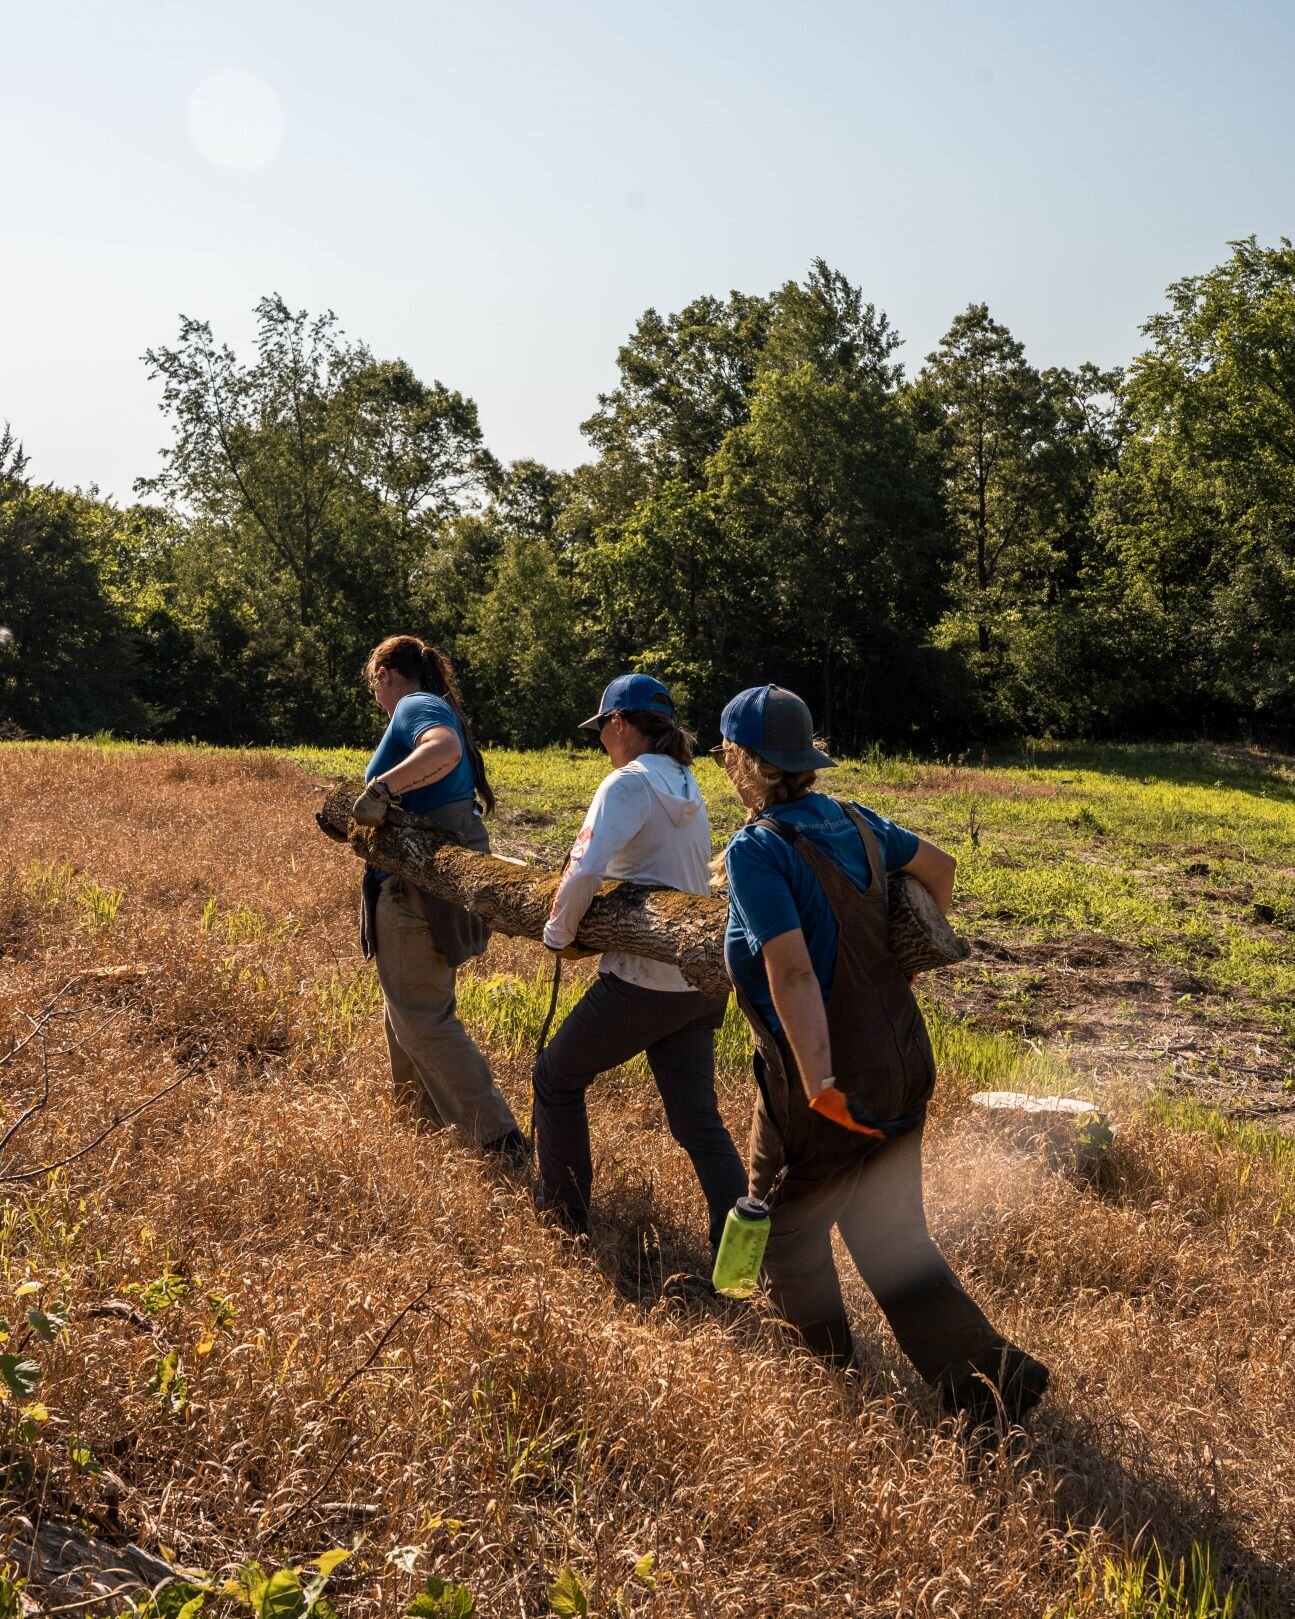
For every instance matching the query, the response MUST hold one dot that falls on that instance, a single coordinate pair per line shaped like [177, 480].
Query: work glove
[370, 808]
[571, 952]
[833, 1104]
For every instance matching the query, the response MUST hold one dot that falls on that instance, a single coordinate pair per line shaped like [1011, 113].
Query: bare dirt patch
[1116, 1012]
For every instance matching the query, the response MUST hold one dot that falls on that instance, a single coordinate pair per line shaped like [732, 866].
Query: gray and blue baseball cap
[775, 724]
[628, 692]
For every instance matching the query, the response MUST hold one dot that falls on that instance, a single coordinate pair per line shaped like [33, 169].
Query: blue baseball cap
[775, 724]
[628, 692]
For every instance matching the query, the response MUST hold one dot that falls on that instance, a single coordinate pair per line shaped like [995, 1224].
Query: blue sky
[494, 191]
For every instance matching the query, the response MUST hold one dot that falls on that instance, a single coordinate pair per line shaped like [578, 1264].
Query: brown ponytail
[428, 667]
[663, 734]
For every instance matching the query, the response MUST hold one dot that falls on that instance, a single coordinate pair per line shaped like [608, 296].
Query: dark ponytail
[664, 735]
[428, 667]
[438, 676]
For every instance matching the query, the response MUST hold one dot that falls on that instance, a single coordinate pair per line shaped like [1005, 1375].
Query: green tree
[671, 595]
[497, 587]
[993, 421]
[685, 382]
[67, 659]
[13, 460]
[1054, 660]
[523, 649]
[1199, 519]
[311, 478]
[762, 506]
[456, 566]
[831, 502]
[1022, 451]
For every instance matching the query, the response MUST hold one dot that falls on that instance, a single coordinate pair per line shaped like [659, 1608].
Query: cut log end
[920, 934]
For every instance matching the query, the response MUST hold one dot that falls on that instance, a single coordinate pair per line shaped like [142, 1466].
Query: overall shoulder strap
[789, 834]
[840, 891]
[876, 865]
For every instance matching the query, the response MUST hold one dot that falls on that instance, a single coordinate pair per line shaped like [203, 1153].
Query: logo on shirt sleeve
[577, 851]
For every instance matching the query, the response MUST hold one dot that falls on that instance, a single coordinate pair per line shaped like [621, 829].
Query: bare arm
[798, 1001]
[935, 871]
[435, 754]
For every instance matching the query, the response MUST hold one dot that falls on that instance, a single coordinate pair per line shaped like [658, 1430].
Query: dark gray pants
[612, 1022]
[877, 1206]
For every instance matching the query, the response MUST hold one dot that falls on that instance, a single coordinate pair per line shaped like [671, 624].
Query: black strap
[900, 1125]
[548, 1016]
[789, 834]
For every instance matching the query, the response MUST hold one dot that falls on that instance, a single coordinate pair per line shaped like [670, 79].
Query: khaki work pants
[437, 1070]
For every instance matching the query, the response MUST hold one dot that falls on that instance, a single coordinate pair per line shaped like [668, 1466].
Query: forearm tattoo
[434, 774]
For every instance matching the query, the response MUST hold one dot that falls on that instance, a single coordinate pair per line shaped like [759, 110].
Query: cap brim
[590, 724]
[809, 759]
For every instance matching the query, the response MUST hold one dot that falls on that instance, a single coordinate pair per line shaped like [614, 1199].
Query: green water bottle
[741, 1249]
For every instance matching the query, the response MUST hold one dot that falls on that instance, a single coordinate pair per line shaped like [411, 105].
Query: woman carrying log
[843, 1063]
[428, 760]
[647, 823]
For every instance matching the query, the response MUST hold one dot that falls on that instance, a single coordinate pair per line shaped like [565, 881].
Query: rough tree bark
[684, 929]
[654, 922]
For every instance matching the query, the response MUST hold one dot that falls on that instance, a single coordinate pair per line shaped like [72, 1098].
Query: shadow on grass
[1098, 1490]
[653, 1262]
[1234, 765]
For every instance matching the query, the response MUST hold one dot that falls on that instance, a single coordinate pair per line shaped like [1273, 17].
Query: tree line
[978, 550]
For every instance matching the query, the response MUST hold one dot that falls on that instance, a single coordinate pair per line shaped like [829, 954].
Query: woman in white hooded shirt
[647, 823]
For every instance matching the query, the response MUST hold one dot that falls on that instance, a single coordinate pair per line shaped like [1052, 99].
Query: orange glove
[830, 1103]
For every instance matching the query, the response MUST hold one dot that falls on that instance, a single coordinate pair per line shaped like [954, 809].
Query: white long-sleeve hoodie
[647, 823]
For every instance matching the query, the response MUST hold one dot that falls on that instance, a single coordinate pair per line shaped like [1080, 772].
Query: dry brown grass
[538, 1408]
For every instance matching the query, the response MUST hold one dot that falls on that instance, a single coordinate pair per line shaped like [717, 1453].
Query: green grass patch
[1241, 1135]
[1155, 1587]
[969, 1059]
[344, 1005]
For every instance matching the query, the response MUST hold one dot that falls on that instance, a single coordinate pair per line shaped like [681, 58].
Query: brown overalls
[871, 1188]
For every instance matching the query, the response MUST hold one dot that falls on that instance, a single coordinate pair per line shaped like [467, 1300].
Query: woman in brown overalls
[843, 1063]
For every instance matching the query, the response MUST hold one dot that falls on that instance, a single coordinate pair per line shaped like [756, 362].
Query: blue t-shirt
[415, 713]
[771, 889]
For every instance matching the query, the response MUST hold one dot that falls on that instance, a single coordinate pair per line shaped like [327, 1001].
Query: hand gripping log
[683, 929]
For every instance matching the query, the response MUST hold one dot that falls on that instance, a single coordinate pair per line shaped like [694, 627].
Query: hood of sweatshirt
[675, 786]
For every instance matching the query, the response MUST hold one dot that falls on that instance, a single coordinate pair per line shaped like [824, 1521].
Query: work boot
[512, 1150]
[570, 1220]
[1000, 1392]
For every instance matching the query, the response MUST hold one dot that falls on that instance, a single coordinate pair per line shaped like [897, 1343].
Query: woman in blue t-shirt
[428, 760]
[843, 1062]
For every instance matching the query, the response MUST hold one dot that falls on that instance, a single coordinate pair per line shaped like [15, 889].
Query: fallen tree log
[686, 930]
[655, 922]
